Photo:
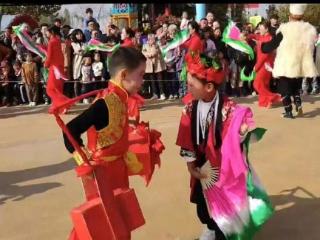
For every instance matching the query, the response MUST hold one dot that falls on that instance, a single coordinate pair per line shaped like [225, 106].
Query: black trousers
[290, 87]
[203, 214]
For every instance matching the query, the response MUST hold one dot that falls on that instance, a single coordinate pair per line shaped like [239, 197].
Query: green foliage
[283, 13]
[272, 10]
[36, 11]
[220, 13]
[66, 18]
[311, 15]
[238, 12]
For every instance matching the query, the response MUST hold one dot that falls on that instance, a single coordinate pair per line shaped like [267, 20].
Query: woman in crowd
[78, 42]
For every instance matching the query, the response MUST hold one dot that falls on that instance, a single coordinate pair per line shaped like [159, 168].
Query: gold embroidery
[117, 120]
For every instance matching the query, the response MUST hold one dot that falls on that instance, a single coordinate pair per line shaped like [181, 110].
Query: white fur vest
[295, 53]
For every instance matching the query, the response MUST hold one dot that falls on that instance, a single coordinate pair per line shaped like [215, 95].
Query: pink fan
[234, 33]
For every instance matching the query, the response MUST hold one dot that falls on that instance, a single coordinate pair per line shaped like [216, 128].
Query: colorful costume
[116, 150]
[295, 43]
[55, 63]
[229, 200]
[263, 76]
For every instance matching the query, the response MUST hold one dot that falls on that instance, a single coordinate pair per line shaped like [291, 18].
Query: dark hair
[9, 28]
[66, 26]
[208, 29]
[91, 20]
[130, 32]
[54, 30]
[203, 19]
[74, 33]
[58, 20]
[194, 25]
[274, 17]
[89, 10]
[125, 57]
[17, 63]
[44, 25]
[266, 24]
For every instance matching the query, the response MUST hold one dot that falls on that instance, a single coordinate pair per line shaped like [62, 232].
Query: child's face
[197, 88]
[97, 57]
[79, 36]
[87, 61]
[133, 80]
[262, 30]
[184, 15]
[16, 67]
[29, 58]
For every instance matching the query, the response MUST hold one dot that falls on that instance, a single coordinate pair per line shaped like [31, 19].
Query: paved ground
[38, 186]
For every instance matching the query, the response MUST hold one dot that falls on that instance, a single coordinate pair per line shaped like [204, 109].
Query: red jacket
[263, 58]
[54, 54]
[194, 43]
[127, 42]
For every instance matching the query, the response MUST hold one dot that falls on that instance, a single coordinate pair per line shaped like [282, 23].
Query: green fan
[246, 78]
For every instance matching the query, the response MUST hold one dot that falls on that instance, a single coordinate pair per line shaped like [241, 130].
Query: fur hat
[297, 9]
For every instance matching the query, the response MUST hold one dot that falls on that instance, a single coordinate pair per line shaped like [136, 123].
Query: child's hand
[244, 129]
[195, 171]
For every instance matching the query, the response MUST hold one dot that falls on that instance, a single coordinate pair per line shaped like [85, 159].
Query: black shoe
[288, 115]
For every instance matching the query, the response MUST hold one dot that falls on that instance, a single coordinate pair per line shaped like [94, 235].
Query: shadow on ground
[296, 219]
[11, 183]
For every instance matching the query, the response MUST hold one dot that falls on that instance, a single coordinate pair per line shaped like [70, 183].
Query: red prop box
[106, 214]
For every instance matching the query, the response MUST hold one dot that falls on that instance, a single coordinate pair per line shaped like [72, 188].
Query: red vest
[112, 141]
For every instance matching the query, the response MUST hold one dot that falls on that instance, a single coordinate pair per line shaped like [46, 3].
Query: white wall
[77, 12]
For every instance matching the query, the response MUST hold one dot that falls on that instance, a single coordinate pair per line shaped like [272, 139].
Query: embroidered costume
[229, 199]
[116, 151]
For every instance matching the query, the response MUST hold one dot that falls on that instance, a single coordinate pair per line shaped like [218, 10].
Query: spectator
[184, 21]
[88, 31]
[180, 55]
[165, 28]
[58, 23]
[194, 43]
[65, 31]
[138, 39]
[77, 43]
[210, 47]
[86, 79]
[67, 54]
[203, 23]
[29, 76]
[127, 36]
[217, 39]
[274, 24]
[6, 37]
[112, 35]
[210, 18]
[215, 25]
[154, 67]
[19, 87]
[44, 28]
[6, 78]
[95, 35]
[5, 52]
[170, 73]
[172, 30]
[96, 27]
[97, 67]
[89, 17]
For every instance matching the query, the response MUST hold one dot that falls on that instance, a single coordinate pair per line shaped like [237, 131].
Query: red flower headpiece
[200, 68]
